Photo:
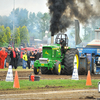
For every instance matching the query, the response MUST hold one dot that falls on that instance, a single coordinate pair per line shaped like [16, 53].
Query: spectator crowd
[10, 56]
[30, 57]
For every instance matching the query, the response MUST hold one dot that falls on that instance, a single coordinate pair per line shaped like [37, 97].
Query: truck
[57, 58]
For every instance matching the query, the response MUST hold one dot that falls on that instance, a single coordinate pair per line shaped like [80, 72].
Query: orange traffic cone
[16, 81]
[88, 81]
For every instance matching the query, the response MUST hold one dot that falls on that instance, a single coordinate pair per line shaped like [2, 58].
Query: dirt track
[48, 93]
[25, 75]
[54, 95]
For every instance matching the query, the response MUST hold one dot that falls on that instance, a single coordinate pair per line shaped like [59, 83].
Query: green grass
[60, 83]
[19, 68]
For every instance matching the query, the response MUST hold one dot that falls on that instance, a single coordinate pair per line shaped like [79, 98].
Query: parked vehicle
[90, 56]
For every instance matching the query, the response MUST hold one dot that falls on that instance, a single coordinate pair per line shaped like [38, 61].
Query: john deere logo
[46, 53]
[59, 53]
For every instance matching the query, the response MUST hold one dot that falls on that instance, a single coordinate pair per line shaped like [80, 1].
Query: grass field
[59, 83]
[19, 68]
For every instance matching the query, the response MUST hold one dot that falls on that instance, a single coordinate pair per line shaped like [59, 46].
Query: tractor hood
[51, 51]
[56, 46]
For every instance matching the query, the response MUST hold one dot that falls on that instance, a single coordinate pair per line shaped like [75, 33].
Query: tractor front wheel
[44, 70]
[58, 68]
[36, 71]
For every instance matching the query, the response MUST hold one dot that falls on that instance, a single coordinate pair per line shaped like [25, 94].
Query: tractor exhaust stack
[52, 40]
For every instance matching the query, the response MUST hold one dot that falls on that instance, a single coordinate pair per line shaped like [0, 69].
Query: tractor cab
[61, 39]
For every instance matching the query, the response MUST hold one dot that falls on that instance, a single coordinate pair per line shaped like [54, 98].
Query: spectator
[12, 56]
[32, 59]
[36, 55]
[28, 61]
[8, 57]
[30, 52]
[3, 55]
[25, 59]
[39, 53]
[17, 57]
[5, 58]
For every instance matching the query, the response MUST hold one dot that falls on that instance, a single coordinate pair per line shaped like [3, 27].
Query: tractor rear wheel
[36, 71]
[58, 68]
[69, 61]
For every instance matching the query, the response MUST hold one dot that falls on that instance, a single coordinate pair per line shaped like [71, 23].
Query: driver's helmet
[61, 41]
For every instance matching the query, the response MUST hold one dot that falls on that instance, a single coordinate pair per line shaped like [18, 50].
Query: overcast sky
[6, 6]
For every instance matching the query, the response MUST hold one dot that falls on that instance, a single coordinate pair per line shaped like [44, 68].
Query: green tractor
[58, 58]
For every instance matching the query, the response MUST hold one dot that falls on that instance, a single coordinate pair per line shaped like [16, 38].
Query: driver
[62, 43]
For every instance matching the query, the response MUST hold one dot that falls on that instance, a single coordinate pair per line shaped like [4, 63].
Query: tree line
[22, 24]
[29, 24]
[88, 27]
[20, 34]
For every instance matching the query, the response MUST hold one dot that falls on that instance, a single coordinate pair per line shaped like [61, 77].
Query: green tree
[24, 34]
[31, 22]
[19, 17]
[3, 37]
[16, 36]
[4, 20]
[43, 23]
[8, 33]
[87, 33]
[89, 28]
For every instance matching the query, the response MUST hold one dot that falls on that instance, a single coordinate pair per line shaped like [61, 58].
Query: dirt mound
[47, 87]
[89, 97]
